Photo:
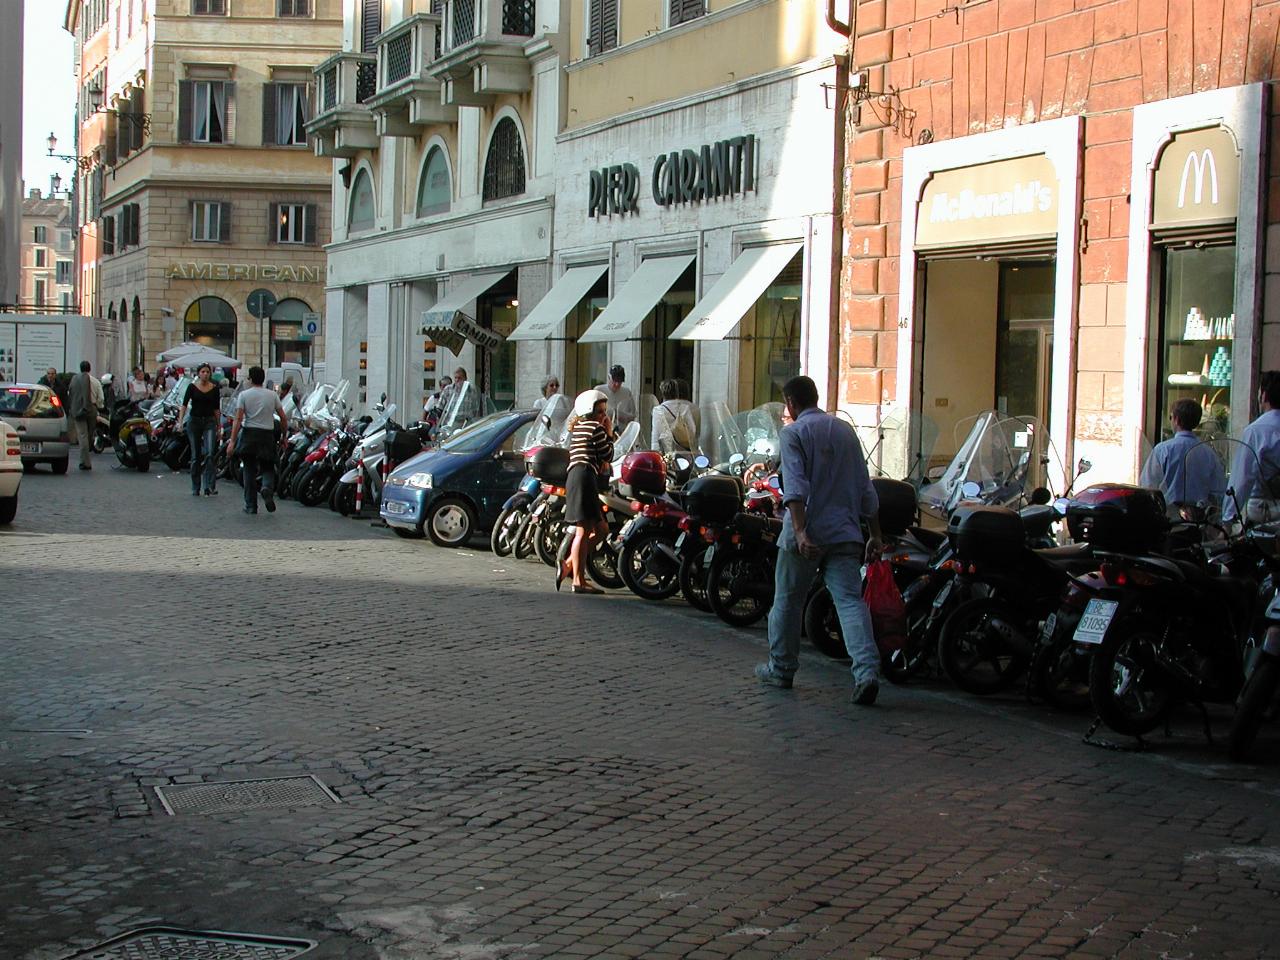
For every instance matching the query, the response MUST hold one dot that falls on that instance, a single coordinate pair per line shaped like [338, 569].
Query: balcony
[482, 53]
[408, 97]
[343, 124]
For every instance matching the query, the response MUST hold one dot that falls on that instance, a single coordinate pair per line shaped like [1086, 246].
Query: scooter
[132, 436]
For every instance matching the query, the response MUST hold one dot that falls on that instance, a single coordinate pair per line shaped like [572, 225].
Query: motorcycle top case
[402, 444]
[644, 472]
[897, 505]
[713, 498]
[1118, 516]
[985, 534]
[550, 465]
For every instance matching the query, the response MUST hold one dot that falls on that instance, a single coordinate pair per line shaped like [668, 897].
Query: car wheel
[60, 466]
[450, 522]
[8, 509]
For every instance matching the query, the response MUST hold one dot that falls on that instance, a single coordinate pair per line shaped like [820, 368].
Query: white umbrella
[179, 350]
[192, 360]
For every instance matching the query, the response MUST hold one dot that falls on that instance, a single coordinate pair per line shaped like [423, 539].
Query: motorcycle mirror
[1040, 496]
[682, 463]
[970, 489]
[1060, 506]
[701, 462]
[736, 459]
[1084, 466]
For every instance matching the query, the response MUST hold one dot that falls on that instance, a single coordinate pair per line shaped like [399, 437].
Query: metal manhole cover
[232, 796]
[169, 943]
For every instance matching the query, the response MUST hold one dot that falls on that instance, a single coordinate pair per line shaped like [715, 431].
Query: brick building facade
[1067, 199]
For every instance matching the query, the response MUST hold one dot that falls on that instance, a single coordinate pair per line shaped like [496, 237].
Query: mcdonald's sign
[1197, 179]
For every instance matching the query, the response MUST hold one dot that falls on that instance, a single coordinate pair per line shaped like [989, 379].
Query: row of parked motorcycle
[1107, 600]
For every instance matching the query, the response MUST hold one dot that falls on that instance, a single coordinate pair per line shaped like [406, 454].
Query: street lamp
[84, 163]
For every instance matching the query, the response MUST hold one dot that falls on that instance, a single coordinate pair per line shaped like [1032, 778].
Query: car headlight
[421, 481]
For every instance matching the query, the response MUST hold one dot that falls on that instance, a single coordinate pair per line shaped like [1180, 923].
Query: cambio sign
[1197, 180]
[1001, 201]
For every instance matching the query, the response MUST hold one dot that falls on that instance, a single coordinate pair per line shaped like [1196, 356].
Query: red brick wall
[967, 68]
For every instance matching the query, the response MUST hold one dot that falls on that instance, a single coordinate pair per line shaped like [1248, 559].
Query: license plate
[680, 541]
[1050, 625]
[626, 529]
[30, 448]
[140, 439]
[1095, 620]
[395, 507]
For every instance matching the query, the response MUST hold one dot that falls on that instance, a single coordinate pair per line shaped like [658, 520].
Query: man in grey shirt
[255, 413]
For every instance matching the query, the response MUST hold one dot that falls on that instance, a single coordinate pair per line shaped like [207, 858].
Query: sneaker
[766, 675]
[269, 500]
[864, 693]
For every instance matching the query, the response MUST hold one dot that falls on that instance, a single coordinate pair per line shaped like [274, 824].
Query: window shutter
[309, 223]
[595, 16]
[270, 96]
[608, 25]
[108, 235]
[229, 114]
[113, 126]
[224, 223]
[184, 111]
[273, 223]
[139, 107]
[191, 215]
[135, 233]
[370, 24]
[306, 111]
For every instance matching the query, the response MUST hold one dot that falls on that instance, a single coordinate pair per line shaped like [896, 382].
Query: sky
[48, 93]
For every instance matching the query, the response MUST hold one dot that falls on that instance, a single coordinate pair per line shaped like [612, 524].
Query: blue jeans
[841, 568]
[202, 434]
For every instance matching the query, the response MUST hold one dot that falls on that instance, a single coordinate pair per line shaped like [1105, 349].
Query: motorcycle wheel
[1129, 690]
[522, 545]
[171, 454]
[693, 582]
[902, 666]
[345, 498]
[822, 625]
[142, 462]
[503, 532]
[100, 441]
[1259, 690]
[735, 587]
[547, 539]
[1060, 674]
[602, 563]
[313, 487]
[634, 566]
[973, 658]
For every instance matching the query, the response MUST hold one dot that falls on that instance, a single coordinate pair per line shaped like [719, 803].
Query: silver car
[37, 415]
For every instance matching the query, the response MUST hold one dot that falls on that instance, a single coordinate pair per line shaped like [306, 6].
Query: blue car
[458, 489]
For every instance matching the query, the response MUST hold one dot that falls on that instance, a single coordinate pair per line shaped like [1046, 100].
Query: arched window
[434, 189]
[504, 166]
[362, 205]
[287, 333]
[211, 321]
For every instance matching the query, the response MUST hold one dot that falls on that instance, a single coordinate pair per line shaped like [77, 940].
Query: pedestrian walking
[1185, 470]
[84, 396]
[591, 439]
[828, 494]
[255, 412]
[204, 430]
[1255, 475]
[621, 400]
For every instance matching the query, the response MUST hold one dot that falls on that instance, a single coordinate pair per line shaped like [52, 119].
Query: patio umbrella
[172, 353]
[193, 359]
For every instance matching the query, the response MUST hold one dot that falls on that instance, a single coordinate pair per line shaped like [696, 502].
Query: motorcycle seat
[931, 539]
[1074, 558]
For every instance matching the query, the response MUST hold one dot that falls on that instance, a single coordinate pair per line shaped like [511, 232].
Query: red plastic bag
[888, 612]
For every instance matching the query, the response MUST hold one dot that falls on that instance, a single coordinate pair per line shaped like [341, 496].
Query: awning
[639, 295]
[560, 299]
[733, 294]
[445, 323]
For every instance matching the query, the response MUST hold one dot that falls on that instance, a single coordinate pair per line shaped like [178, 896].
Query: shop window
[1024, 339]
[211, 321]
[504, 165]
[292, 223]
[602, 26]
[497, 310]
[204, 111]
[284, 114]
[586, 364]
[663, 357]
[682, 11]
[1197, 328]
[210, 221]
[434, 189]
[287, 342]
[362, 203]
[771, 352]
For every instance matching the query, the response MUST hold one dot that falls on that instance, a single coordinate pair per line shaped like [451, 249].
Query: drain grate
[232, 796]
[169, 943]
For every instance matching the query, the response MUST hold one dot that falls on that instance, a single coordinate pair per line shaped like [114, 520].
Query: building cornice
[533, 205]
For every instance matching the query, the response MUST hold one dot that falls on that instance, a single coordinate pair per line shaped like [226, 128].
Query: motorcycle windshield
[720, 433]
[380, 421]
[627, 441]
[551, 429]
[761, 428]
[995, 464]
[901, 446]
[466, 405]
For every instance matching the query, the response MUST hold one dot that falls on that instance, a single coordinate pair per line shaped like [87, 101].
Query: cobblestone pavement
[527, 774]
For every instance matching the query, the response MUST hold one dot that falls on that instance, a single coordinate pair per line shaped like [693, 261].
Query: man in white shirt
[1255, 475]
[256, 411]
[622, 405]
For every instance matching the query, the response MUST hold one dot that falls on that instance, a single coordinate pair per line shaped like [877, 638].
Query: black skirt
[582, 506]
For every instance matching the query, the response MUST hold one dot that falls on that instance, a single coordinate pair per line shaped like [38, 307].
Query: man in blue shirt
[827, 493]
[1183, 468]
[1255, 474]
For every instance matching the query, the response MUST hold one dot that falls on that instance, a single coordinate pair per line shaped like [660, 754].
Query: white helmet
[586, 402]
[106, 379]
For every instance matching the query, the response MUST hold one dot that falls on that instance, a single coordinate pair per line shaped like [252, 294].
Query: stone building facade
[48, 255]
[1063, 210]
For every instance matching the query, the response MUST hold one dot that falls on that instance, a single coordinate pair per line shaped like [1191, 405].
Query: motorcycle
[131, 436]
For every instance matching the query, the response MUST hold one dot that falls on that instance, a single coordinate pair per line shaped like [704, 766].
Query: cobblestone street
[528, 774]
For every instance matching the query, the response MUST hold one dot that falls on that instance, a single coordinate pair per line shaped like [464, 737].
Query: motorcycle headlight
[420, 481]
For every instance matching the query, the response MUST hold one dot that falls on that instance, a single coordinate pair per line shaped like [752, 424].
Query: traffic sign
[261, 303]
[311, 325]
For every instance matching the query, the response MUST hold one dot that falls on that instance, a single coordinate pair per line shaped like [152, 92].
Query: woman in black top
[590, 454]
[204, 429]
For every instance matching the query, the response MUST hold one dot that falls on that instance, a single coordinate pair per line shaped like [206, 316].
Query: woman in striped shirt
[590, 453]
